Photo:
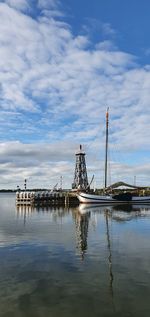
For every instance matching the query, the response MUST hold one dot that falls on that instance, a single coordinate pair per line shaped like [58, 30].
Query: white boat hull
[97, 199]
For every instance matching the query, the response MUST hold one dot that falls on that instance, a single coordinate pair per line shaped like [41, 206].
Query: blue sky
[129, 20]
[61, 64]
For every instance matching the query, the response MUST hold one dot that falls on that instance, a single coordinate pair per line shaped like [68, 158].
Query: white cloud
[43, 165]
[46, 4]
[102, 29]
[50, 8]
[56, 86]
[106, 45]
[22, 5]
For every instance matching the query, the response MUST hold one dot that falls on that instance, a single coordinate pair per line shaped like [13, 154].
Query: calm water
[76, 262]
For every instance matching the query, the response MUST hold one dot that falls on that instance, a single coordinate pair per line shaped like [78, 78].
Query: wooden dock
[46, 198]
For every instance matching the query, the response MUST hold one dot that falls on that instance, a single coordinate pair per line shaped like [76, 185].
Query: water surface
[92, 261]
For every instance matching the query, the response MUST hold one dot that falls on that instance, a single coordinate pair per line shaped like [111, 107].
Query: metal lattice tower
[80, 176]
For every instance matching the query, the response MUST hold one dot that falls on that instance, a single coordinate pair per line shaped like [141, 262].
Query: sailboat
[111, 199]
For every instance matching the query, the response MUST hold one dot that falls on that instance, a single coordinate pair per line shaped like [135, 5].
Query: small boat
[122, 198]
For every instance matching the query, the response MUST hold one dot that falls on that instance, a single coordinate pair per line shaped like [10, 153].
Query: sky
[62, 63]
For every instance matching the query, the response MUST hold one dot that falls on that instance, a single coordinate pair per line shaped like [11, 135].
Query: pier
[46, 198]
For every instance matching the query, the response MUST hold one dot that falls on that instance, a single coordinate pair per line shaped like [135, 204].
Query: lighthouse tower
[80, 176]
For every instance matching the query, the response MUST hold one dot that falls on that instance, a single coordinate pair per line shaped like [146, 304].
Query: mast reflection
[111, 277]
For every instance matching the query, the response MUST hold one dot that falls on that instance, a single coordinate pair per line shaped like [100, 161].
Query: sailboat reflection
[119, 212]
[114, 213]
[82, 226]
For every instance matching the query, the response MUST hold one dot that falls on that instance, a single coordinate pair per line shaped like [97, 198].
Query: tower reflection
[82, 224]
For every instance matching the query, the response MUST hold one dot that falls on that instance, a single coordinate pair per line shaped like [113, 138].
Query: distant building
[124, 186]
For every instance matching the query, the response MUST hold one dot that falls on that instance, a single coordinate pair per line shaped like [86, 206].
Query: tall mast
[106, 148]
